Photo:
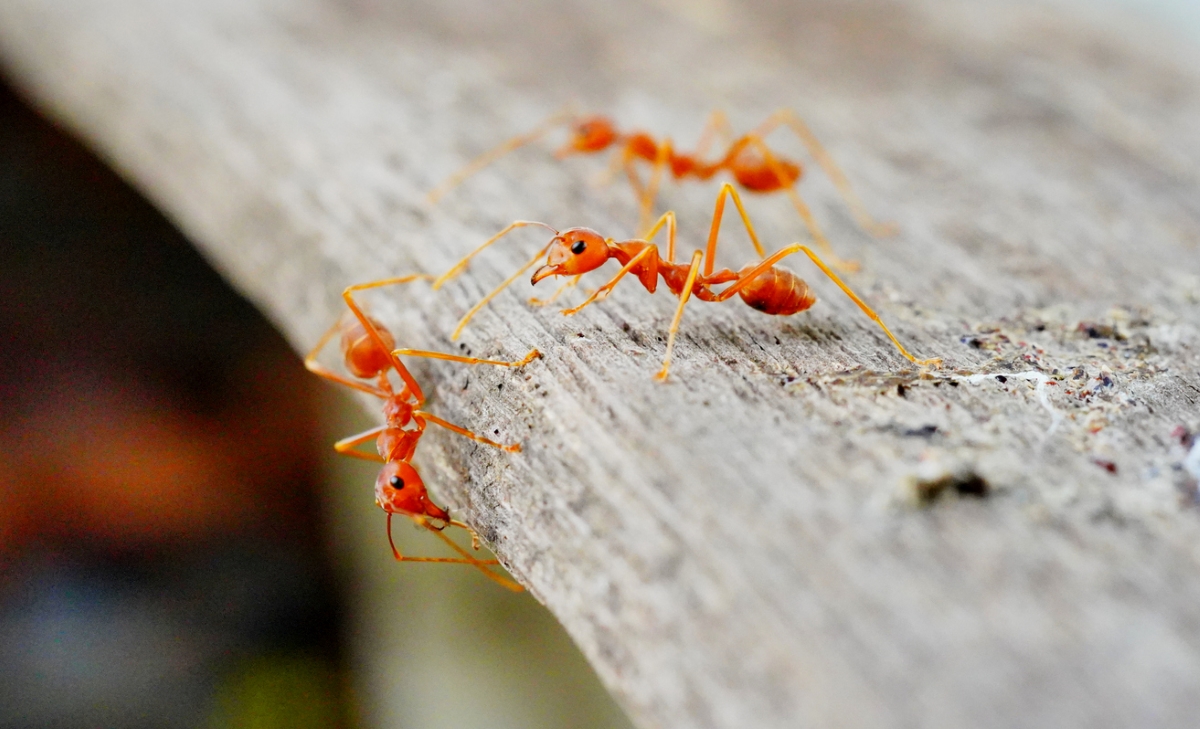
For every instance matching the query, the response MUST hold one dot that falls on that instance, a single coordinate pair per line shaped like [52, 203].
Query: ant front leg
[480, 564]
[825, 160]
[603, 291]
[462, 264]
[495, 153]
[572, 283]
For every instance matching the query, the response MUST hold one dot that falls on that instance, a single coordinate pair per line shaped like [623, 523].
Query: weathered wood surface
[740, 546]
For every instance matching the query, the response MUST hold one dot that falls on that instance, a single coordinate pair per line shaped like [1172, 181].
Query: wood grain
[745, 545]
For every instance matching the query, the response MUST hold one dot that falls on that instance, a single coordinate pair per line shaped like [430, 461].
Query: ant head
[590, 134]
[573, 252]
[400, 490]
[364, 358]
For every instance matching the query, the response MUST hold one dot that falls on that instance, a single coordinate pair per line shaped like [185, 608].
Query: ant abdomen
[763, 177]
[364, 357]
[776, 291]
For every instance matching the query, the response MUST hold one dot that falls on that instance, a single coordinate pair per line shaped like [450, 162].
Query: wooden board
[744, 544]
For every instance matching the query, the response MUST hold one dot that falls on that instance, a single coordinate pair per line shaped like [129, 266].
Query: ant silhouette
[369, 353]
[748, 158]
[761, 284]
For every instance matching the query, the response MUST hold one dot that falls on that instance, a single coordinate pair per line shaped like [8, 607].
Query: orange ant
[369, 352]
[763, 285]
[753, 165]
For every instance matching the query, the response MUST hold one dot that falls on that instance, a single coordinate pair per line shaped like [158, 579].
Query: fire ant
[753, 165]
[762, 284]
[369, 352]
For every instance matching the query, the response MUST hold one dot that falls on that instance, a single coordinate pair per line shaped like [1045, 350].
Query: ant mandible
[748, 158]
[762, 284]
[369, 353]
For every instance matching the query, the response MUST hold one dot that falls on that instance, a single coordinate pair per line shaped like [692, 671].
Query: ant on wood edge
[763, 285]
[748, 158]
[369, 352]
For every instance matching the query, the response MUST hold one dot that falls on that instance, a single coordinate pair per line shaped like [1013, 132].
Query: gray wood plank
[742, 544]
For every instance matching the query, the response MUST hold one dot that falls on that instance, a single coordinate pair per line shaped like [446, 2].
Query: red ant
[754, 166]
[761, 284]
[369, 352]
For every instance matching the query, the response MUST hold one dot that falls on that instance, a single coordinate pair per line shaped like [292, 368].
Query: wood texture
[743, 545]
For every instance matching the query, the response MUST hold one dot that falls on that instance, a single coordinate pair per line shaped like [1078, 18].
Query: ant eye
[397, 482]
[578, 247]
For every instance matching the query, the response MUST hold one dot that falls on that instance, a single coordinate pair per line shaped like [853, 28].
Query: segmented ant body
[761, 284]
[748, 159]
[369, 353]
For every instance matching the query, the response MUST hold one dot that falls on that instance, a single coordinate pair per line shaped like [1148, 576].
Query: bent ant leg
[684, 295]
[495, 153]
[315, 367]
[602, 292]
[727, 189]
[766, 264]
[717, 125]
[479, 564]
[369, 326]
[801, 207]
[616, 163]
[825, 160]
[667, 219]
[349, 446]
[462, 323]
[458, 267]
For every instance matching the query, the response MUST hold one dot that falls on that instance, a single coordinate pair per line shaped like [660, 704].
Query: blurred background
[178, 545]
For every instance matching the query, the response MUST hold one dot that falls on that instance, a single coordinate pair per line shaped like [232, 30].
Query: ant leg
[533, 354]
[801, 207]
[369, 326]
[497, 152]
[602, 292]
[650, 194]
[458, 267]
[684, 295]
[514, 448]
[717, 125]
[462, 323]
[825, 160]
[315, 367]
[349, 446]
[727, 189]
[480, 564]
[535, 301]
[795, 248]
[667, 219]
[616, 163]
